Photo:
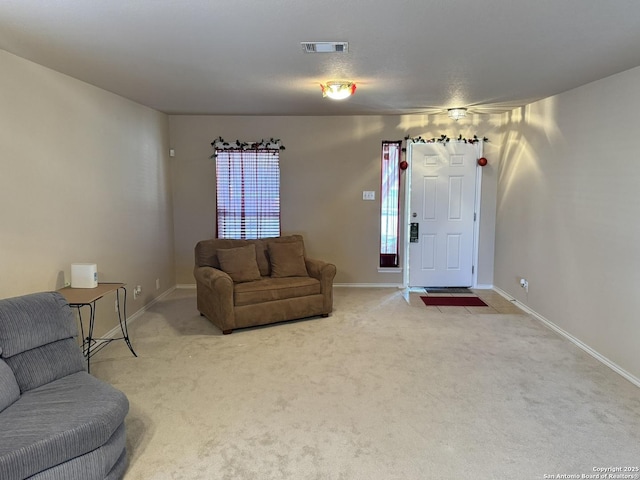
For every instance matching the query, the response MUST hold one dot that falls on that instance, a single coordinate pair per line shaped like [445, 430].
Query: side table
[87, 297]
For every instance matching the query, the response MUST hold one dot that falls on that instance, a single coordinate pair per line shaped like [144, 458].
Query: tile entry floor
[496, 303]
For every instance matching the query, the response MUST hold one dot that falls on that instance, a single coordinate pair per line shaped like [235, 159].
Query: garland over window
[220, 144]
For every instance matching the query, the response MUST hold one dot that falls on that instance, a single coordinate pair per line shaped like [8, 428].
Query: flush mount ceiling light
[338, 90]
[457, 113]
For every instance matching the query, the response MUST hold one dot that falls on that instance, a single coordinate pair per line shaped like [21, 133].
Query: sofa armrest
[319, 269]
[323, 271]
[214, 296]
[213, 278]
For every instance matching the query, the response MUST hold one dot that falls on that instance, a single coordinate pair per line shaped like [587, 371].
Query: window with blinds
[247, 193]
[390, 203]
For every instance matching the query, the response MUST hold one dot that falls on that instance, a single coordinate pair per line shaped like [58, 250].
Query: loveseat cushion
[287, 259]
[45, 364]
[34, 320]
[206, 250]
[271, 289]
[57, 422]
[239, 263]
[37, 339]
[9, 390]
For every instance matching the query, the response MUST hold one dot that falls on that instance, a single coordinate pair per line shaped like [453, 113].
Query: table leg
[122, 318]
[88, 340]
[92, 320]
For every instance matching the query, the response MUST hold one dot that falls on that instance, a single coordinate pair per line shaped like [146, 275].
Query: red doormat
[453, 302]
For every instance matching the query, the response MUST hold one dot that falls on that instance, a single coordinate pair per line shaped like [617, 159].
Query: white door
[441, 214]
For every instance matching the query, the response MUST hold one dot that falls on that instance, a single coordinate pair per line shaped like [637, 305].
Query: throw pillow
[287, 260]
[239, 263]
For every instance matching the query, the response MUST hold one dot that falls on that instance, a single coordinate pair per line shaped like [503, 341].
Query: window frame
[247, 179]
[389, 241]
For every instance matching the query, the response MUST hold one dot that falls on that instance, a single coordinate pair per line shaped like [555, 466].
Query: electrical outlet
[524, 283]
[368, 195]
[137, 291]
[157, 284]
[115, 305]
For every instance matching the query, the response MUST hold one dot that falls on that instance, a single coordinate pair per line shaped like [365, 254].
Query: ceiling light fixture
[457, 113]
[338, 90]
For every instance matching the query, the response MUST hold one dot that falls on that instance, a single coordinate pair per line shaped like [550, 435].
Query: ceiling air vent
[325, 47]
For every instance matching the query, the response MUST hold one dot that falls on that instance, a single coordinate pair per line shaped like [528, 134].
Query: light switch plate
[368, 195]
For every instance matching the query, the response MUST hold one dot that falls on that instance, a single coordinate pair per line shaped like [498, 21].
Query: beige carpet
[382, 389]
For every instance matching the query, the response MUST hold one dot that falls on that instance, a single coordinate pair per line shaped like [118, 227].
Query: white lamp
[84, 275]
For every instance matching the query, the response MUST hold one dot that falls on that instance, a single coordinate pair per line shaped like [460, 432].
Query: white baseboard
[549, 324]
[116, 332]
[346, 285]
[395, 285]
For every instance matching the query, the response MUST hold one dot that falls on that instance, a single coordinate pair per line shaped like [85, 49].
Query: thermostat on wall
[84, 275]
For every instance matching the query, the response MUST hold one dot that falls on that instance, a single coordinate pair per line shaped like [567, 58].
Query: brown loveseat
[244, 283]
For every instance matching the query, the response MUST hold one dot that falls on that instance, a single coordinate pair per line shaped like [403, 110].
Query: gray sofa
[57, 422]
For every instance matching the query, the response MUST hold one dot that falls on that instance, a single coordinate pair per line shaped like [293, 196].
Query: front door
[441, 214]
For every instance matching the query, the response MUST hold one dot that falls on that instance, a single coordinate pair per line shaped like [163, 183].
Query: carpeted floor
[384, 389]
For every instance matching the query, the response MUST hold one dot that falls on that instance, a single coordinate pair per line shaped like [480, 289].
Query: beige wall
[569, 210]
[84, 178]
[327, 164]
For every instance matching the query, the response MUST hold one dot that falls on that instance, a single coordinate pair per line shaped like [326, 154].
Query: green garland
[270, 144]
[444, 140]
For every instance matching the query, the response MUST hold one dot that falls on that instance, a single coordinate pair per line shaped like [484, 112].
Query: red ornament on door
[403, 165]
[482, 161]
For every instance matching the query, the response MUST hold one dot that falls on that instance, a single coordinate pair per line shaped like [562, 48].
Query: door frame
[406, 186]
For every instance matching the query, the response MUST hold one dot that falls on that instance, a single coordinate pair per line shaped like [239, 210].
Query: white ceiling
[406, 56]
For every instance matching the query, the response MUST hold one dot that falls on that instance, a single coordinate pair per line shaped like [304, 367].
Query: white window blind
[247, 193]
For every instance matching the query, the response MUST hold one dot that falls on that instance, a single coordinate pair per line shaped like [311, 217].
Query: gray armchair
[57, 422]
